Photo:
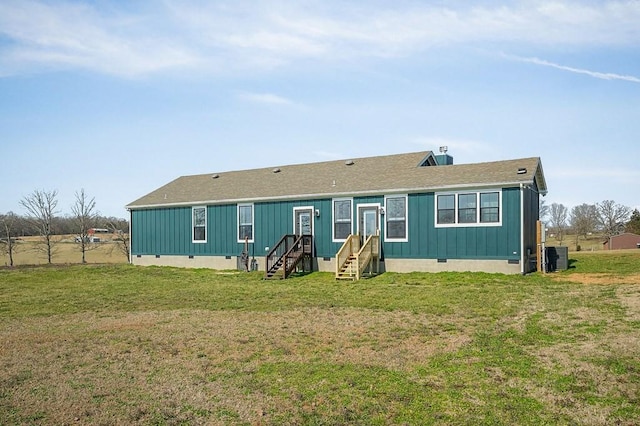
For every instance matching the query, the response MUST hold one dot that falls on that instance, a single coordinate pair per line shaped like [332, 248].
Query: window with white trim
[489, 207]
[245, 222]
[199, 224]
[446, 209]
[469, 208]
[395, 207]
[342, 218]
[467, 212]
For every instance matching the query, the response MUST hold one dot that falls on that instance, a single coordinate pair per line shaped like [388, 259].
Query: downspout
[522, 250]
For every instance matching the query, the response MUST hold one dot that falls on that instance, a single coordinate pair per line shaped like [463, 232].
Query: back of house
[426, 213]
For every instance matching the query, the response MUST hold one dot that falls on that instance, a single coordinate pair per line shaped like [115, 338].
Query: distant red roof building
[622, 241]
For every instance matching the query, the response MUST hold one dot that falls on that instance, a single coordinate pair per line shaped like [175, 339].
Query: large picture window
[245, 222]
[396, 218]
[199, 224]
[481, 208]
[342, 218]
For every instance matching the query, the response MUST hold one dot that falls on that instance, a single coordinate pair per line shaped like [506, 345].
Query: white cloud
[65, 35]
[595, 74]
[264, 98]
[141, 38]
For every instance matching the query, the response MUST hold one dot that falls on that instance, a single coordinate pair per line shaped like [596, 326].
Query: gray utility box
[557, 258]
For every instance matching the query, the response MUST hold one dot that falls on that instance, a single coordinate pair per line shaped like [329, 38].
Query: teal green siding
[167, 231]
[479, 242]
[275, 219]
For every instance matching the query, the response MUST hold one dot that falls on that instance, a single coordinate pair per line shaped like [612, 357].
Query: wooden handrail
[278, 251]
[350, 246]
[369, 250]
[289, 250]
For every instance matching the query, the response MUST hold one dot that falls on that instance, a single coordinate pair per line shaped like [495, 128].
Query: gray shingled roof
[371, 175]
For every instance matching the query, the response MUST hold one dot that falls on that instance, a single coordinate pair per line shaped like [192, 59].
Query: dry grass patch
[194, 366]
[29, 251]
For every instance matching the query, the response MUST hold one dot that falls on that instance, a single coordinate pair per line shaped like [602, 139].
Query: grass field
[29, 252]
[118, 344]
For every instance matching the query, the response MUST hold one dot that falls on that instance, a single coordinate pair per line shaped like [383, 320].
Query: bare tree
[612, 217]
[8, 228]
[120, 228]
[543, 210]
[584, 219]
[41, 209]
[84, 218]
[558, 216]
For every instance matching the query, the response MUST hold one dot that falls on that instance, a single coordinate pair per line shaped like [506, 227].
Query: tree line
[606, 218]
[42, 218]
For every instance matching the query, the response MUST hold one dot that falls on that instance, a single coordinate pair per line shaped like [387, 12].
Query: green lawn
[129, 345]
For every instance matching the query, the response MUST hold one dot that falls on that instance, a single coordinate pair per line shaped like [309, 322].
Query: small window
[245, 222]
[342, 218]
[489, 207]
[467, 208]
[199, 221]
[396, 218]
[446, 208]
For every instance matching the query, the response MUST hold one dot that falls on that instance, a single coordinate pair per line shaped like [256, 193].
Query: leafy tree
[8, 227]
[633, 225]
[84, 218]
[41, 210]
[612, 217]
[558, 217]
[584, 219]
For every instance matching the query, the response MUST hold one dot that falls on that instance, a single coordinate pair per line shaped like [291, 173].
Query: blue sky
[120, 98]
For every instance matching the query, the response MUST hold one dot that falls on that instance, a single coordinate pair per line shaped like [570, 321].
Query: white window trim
[475, 224]
[253, 227]
[333, 219]
[313, 225]
[406, 219]
[296, 209]
[367, 206]
[206, 231]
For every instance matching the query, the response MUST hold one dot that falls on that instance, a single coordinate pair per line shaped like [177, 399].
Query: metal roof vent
[522, 170]
[349, 162]
[276, 170]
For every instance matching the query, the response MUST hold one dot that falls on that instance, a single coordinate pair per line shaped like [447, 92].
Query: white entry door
[303, 221]
[368, 223]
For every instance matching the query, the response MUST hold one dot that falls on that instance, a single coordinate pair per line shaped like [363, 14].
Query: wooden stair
[348, 270]
[284, 257]
[352, 259]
